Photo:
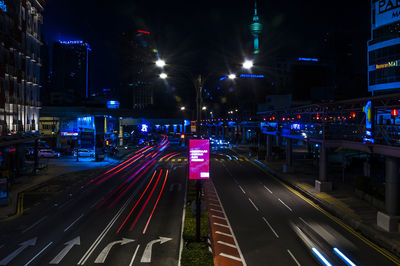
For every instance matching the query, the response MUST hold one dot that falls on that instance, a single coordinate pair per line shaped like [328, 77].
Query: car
[48, 153]
[84, 153]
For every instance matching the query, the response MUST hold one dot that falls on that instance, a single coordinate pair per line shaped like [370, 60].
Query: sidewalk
[56, 168]
[342, 202]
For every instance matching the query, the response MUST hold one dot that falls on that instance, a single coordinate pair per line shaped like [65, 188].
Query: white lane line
[230, 257]
[305, 222]
[214, 210]
[33, 225]
[40, 252]
[242, 189]
[216, 205]
[226, 244]
[285, 205]
[294, 258]
[104, 232]
[134, 255]
[223, 225]
[218, 217]
[268, 189]
[66, 229]
[254, 205]
[270, 227]
[223, 234]
[97, 202]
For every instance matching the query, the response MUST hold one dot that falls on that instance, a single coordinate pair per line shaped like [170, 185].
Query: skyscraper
[256, 28]
[137, 71]
[70, 79]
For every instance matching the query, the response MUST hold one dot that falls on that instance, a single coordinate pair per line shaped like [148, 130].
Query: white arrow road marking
[146, 257]
[104, 253]
[23, 246]
[69, 245]
[37, 255]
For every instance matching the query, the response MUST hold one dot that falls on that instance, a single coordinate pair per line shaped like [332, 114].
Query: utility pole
[199, 87]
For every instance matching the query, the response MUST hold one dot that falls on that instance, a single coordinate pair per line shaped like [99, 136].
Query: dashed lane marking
[223, 234]
[226, 244]
[270, 227]
[230, 257]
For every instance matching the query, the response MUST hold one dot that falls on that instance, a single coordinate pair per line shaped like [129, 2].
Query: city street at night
[212, 133]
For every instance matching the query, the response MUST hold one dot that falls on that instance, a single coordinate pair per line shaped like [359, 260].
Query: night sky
[202, 35]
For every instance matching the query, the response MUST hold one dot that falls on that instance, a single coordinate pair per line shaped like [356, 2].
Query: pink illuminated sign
[199, 159]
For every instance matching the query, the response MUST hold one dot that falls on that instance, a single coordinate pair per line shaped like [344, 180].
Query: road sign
[199, 159]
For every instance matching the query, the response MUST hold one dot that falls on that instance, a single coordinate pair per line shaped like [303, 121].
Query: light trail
[155, 205]
[145, 204]
[137, 202]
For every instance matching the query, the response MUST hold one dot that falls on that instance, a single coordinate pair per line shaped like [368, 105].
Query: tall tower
[256, 29]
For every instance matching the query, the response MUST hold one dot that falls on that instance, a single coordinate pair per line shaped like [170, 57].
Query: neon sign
[71, 42]
[143, 31]
[388, 64]
[3, 6]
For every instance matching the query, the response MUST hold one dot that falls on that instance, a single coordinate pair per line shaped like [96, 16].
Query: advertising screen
[199, 159]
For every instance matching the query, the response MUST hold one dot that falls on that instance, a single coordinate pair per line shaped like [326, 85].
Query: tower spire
[256, 29]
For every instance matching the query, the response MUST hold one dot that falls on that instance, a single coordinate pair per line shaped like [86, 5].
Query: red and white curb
[224, 243]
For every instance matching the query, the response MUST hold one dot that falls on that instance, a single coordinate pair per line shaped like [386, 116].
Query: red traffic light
[395, 112]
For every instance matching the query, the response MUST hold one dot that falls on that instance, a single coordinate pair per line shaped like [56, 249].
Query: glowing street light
[183, 108]
[232, 76]
[248, 64]
[204, 108]
[160, 63]
[163, 76]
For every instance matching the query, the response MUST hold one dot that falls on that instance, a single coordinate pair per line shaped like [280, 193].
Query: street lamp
[160, 63]
[163, 76]
[232, 76]
[183, 108]
[204, 108]
[248, 64]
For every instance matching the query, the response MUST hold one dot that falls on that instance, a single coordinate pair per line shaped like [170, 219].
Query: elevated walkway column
[216, 132]
[323, 185]
[389, 221]
[243, 135]
[268, 154]
[288, 167]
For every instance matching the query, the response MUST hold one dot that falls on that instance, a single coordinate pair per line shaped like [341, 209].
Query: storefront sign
[199, 159]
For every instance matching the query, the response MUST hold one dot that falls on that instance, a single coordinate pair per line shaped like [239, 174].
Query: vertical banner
[199, 159]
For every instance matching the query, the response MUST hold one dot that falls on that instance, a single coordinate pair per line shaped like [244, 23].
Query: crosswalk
[185, 160]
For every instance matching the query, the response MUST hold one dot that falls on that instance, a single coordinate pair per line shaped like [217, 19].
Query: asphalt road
[129, 215]
[274, 226]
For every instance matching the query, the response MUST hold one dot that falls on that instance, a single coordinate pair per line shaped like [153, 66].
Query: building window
[385, 75]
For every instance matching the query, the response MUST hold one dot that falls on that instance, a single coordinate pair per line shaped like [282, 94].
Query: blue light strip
[251, 76]
[71, 42]
[308, 59]
[343, 257]
[223, 78]
[322, 258]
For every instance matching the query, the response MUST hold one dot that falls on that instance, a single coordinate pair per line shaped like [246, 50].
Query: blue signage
[145, 128]
[308, 59]
[3, 6]
[251, 76]
[113, 104]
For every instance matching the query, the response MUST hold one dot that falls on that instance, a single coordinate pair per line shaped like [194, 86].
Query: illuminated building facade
[384, 47]
[70, 76]
[137, 71]
[20, 42]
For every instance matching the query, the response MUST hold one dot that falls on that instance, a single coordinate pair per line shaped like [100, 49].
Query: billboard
[199, 159]
[386, 12]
